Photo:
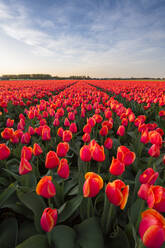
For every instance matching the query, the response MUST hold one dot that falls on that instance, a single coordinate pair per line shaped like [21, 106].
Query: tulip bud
[152, 229]
[26, 152]
[4, 151]
[117, 193]
[48, 219]
[93, 184]
[85, 153]
[24, 167]
[121, 130]
[45, 187]
[37, 150]
[52, 160]
[117, 167]
[67, 136]
[63, 168]
[62, 149]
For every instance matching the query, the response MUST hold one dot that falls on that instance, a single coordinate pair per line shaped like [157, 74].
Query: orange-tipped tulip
[148, 176]
[48, 219]
[45, 187]
[117, 193]
[63, 168]
[152, 229]
[125, 155]
[26, 152]
[85, 153]
[37, 150]
[117, 167]
[67, 136]
[24, 167]
[62, 149]
[93, 184]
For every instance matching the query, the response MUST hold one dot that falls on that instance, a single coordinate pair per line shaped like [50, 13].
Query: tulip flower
[67, 136]
[87, 128]
[121, 130]
[26, 152]
[86, 138]
[46, 133]
[125, 155]
[92, 185]
[149, 176]
[45, 187]
[152, 229]
[9, 122]
[66, 122]
[91, 121]
[98, 153]
[117, 193]
[73, 127]
[56, 122]
[108, 143]
[85, 153]
[60, 132]
[155, 138]
[7, 133]
[37, 150]
[104, 131]
[154, 151]
[4, 151]
[24, 167]
[62, 149]
[52, 160]
[117, 167]
[63, 168]
[25, 139]
[48, 219]
[144, 137]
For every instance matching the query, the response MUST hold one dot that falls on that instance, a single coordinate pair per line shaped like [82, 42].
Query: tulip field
[82, 164]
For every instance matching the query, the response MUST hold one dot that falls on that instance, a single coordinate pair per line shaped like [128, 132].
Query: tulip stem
[109, 217]
[89, 207]
[140, 244]
[49, 238]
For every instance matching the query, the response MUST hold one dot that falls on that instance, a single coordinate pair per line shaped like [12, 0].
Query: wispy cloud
[89, 33]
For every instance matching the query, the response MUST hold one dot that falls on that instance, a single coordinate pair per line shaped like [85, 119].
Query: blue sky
[100, 38]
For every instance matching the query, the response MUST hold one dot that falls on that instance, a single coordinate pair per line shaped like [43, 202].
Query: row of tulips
[77, 166]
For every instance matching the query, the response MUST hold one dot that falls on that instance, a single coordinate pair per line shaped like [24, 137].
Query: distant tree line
[38, 76]
[78, 77]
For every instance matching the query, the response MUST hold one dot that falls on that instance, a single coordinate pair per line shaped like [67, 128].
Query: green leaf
[7, 193]
[8, 233]
[117, 238]
[63, 236]
[89, 234]
[71, 206]
[34, 202]
[36, 241]
[69, 185]
[26, 230]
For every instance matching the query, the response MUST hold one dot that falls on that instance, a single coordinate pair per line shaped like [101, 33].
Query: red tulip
[46, 133]
[86, 138]
[152, 229]
[67, 136]
[24, 167]
[93, 184]
[148, 176]
[154, 151]
[117, 167]
[37, 150]
[117, 193]
[108, 143]
[9, 122]
[45, 187]
[62, 149]
[4, 151]
[85, 153]
[121, 130]
[63, 168]
[73, 127]
[25, 139]
[125, 155]
[48, 219]
[52, 160]
[26, 152]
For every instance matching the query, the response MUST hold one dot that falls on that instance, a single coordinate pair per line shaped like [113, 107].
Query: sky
[98, 38]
